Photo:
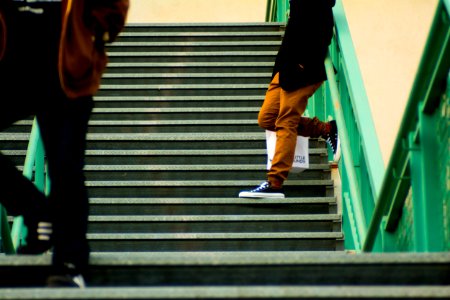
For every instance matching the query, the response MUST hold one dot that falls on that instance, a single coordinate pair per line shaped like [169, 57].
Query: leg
[271, 106]
[312, 127]
[292, 107]
[64, 130]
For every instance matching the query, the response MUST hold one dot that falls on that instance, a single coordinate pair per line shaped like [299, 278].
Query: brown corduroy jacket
[86, 26]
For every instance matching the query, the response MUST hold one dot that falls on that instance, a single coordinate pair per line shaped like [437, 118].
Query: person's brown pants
[282, 112]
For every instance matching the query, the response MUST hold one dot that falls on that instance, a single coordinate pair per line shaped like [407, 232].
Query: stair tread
[190, 167]
[233, 292]
[187, 44]
[207, 201]
[191, 54]
[190, 64]
[215, 236]
[201, 33]
[215, 218]
[125, 110]
[179, 98]
[182, 86]
[205, 152]
[196, 183]
[187, 75]
[241, 258]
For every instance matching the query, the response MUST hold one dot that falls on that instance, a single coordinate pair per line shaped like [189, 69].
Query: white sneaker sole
[261, 195]
[337, 155]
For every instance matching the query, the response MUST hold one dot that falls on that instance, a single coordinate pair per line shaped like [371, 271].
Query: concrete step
[192, 56]
[210, 206]
[214, 224]
[249, 268]
[203, 188]
[168, 78]
[190, 67]
[242, 157]
[197, 36]
[205, 27]
[235, 292]
[229, 241]
[175, 114]
[197, 171]
[150, 46]
[178, 101]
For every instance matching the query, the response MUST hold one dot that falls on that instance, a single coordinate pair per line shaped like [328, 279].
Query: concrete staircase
[172, 141]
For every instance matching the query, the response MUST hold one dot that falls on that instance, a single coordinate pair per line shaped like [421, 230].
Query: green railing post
[425, 173]
[5, 233]
[354, 199]
[34, 153]
[412, 155]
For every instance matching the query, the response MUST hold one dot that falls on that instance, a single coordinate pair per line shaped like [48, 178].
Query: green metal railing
[34, 169]
[406, 208]
[416, 184]
[343, 98]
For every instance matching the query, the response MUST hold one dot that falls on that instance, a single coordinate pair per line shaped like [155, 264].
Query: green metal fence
[412, 212]
[34, 170]
[406, 207]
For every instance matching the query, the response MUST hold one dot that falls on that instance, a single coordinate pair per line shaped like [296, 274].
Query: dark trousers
[29, 86]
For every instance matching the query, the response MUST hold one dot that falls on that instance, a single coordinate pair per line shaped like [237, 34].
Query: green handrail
[344, 98]
[34, 168]
[408, 206]
[402, 174]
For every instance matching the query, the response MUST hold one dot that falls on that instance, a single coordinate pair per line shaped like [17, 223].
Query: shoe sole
[337, 155]
[261, 195]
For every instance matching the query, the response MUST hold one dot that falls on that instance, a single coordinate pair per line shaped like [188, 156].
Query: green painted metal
[5, 233]
[277, 10]
[343, 98]
[413, 163]
[34, 165]
[444, 132]
[353, 203]
[416, 174]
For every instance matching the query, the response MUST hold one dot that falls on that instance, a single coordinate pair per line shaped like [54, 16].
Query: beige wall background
[388, 35]
[389, 38]
[194, 11]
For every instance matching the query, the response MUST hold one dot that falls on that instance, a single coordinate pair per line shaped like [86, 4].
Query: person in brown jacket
[298, 72]
[52, 57]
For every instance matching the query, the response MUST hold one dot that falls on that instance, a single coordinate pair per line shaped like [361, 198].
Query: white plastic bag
[301, 157]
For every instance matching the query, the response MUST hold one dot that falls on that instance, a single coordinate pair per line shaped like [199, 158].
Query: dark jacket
[86, 26]
[300, 60]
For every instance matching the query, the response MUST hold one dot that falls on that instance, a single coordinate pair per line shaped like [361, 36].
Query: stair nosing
[215, 218]
[190, 167]
[214, 236]
[196, 183]
[208, 201]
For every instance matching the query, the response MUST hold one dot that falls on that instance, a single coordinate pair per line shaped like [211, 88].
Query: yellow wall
[194, 11]
[388, 35]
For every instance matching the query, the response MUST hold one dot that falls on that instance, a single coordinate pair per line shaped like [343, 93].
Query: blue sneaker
[263, 191]
[333, 141]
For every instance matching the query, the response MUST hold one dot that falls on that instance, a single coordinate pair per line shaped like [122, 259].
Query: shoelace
[329, 141]
[263, 186]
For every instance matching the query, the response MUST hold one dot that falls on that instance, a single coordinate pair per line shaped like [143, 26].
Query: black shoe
[66, 280]
[333, 141]
[263, 191]
[66, 275]
[39, 238]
